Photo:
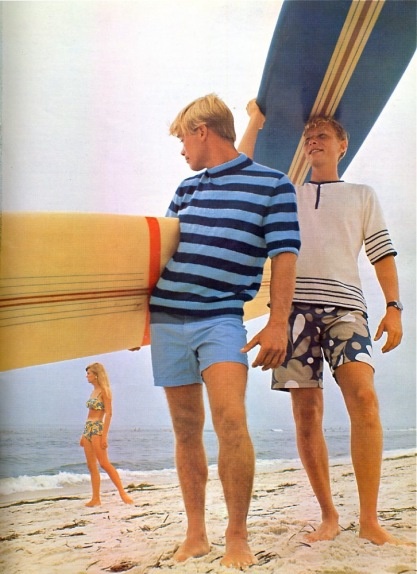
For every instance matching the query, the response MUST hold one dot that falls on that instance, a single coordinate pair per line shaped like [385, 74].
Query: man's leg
[226, 387]
[187, 412]
[307, 407]
[357, 385]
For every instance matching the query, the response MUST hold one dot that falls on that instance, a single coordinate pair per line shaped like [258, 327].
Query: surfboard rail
[334, 57]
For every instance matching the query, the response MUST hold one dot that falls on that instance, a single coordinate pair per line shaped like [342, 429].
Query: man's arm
[386, 272]
[273, 338]
[256, 122]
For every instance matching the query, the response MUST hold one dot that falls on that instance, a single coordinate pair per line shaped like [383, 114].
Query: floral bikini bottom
[93, 428]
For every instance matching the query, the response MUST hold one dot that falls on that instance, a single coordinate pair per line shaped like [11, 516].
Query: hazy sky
[89, 90]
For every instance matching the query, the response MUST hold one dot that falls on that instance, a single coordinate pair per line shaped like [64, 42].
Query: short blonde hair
[317, 121]
[339, 130]
[209, 110]
[102, 378]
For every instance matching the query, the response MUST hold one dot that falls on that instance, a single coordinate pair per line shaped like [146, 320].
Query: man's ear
[344, 150]
[202, 131]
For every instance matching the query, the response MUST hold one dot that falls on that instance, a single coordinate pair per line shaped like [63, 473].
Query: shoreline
[78, 483]
[55, 533]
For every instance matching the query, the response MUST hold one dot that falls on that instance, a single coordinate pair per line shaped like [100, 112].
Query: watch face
[395, 304]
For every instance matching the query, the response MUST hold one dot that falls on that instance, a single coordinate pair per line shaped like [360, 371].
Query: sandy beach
[53, 532]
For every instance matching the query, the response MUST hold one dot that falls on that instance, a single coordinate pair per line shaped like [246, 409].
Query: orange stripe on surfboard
[154, 267]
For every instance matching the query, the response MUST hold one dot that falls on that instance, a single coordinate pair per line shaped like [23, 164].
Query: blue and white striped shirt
[232, 217]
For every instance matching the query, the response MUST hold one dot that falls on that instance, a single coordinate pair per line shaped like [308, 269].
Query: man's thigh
[186, 406]
[356, 381]
[307, 405]
[226, 388]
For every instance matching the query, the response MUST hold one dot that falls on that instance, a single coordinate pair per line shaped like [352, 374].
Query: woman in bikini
[94, 437]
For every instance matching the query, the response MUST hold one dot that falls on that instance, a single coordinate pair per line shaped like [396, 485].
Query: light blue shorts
[183, 347]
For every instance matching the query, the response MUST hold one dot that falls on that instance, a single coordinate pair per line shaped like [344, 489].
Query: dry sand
[56, 533]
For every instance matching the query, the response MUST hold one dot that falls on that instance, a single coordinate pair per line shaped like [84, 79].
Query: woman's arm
[107, 420]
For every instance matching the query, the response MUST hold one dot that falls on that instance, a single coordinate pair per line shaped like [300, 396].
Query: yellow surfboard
[75, 285]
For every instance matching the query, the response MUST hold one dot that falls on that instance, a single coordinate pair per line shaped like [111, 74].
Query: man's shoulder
[360, 187]
[267, 170]
[269, 177]
[341, 185]
[192, 180]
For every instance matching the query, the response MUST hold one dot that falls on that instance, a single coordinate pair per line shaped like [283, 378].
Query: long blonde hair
[102, 378]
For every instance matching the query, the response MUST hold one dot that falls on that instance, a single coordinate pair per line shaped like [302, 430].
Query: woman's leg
[102, 457]
[92, 465]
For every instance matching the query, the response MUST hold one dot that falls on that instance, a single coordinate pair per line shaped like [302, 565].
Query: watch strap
[395, 304]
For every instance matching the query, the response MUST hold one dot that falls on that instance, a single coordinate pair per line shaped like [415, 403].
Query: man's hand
[273, 342]
[255, 114]
[390, 324]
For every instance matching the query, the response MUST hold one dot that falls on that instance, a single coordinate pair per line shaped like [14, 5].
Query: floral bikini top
[95, 404]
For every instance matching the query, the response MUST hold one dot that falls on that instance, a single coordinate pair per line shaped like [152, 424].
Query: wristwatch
[395, 304]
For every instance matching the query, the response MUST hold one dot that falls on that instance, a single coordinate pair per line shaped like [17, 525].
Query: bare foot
[378, 535]
[328, 530]
[92, 503]
[126, 499]
[238, 554]
[192, 548]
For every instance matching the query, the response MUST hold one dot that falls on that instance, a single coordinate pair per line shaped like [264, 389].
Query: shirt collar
[238, 162]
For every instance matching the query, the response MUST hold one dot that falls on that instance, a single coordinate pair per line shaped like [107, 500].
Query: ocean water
[49, 457]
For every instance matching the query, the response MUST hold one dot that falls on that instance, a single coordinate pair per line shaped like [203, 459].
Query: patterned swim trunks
[340, 335]
[93, 428]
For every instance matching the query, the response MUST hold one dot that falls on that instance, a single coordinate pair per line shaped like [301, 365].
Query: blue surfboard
[334, 57]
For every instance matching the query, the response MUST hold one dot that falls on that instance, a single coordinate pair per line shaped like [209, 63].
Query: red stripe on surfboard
[154, 267]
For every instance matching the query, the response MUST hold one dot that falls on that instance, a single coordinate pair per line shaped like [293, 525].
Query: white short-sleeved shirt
[336, 220]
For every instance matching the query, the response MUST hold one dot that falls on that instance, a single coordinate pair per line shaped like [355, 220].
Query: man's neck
[220, 157]
[323, 174]
[219, 150]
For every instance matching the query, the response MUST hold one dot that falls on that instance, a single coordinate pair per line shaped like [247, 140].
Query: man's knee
[362, 403]
[188, 424]
[187, 411]
[357, 385]
[231, 426]
[187, 428]
[307, 405]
